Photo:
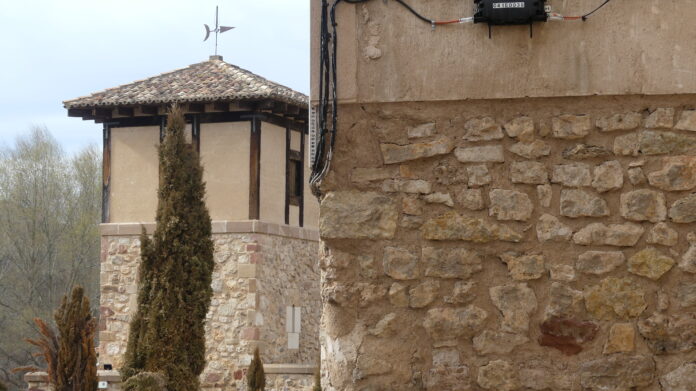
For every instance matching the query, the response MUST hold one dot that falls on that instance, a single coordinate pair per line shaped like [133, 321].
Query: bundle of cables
[328, 97]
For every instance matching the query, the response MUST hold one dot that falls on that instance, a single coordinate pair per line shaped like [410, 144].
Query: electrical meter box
[510, 12]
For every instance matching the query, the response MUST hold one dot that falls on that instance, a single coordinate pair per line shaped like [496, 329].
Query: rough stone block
[482, 129]
[393, 153]
[357, 215]
[580, 203]
[623, 121]
[571, 126]
[660, 118]
[643, 205]
[528, 172]
[510, 205]
[489, 153]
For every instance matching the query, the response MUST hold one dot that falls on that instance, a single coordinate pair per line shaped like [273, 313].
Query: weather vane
[217, 30]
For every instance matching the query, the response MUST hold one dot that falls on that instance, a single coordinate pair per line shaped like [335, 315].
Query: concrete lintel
[290, 369]
[220, 227]
[42, 377]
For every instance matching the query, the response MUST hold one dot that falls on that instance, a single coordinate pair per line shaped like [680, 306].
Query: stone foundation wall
[532, 244]
[259, 269]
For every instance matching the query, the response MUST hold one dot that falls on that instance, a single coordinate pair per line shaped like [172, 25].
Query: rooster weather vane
[217, 30]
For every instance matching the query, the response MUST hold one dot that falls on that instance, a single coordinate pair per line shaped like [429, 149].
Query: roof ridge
[135, 81]
[217, 80]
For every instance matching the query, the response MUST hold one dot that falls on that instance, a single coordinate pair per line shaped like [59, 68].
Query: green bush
[256, 378]
[146, 381]
[167, 333]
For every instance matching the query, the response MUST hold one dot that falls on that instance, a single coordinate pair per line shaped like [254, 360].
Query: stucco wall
[272, 196]
[541, 244]
[629, 47]
[134, 174]
[225, 158]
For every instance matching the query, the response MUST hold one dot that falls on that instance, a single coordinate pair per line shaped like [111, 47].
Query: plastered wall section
[255, 277]
[225, 158]
[387, 55]
[134, 174]
[543, 244]
[273, 158]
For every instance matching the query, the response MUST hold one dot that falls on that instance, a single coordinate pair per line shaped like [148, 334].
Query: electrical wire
[584, 17]
[328, 96]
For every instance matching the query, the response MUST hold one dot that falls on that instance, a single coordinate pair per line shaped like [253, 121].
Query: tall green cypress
[167, 333]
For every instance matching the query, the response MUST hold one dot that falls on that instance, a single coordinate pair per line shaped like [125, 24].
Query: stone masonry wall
[540, 244]
[254, 273]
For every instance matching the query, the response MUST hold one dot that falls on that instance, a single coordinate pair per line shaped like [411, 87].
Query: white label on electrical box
[103, 385]
[515, 4]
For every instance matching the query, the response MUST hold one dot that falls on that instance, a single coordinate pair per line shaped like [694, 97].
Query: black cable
[587, 15]
[414, 12]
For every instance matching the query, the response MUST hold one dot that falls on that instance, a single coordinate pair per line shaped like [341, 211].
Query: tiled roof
[209, 81]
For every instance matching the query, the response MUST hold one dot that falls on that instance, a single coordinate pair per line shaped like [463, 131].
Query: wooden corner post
[255, 169]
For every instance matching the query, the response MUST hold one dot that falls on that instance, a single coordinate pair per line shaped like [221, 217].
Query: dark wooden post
[302, 176]
[255, 169]
[288, 138]
[196, 133]
[106, 172]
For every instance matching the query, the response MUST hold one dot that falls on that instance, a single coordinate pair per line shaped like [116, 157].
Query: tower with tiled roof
[251, 134]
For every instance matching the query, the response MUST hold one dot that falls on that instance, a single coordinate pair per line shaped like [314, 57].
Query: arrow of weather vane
[217, 30]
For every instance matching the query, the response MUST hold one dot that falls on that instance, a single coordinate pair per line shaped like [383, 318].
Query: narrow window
[293, 322]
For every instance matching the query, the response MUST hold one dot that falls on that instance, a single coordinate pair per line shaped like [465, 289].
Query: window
[293, 323]
[294, 180]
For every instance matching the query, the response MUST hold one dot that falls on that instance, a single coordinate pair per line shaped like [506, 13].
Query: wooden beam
[163, 128]
[79, 112]
[279, 108]
[149, 110]
[246, 105]
[101, 112]
[255, 170]
[196, 108]
[196, 134]
[294, 155]
[106, 173]
[288, 134]
[125, 111]
[302, 177]
[265, 105]
[292, 111]
[221, 106]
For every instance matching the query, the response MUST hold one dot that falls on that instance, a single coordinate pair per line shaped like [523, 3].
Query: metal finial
[217, 30]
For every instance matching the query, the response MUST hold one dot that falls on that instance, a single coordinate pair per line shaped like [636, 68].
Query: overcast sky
[58, 50]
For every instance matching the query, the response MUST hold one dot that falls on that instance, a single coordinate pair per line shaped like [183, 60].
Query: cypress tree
[76, 367]
[256, 378]
[167, 334]
[69, 353]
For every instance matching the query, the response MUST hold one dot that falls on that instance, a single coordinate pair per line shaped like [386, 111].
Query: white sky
[54, 50]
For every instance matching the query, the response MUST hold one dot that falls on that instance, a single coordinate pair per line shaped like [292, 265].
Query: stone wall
[532, 244]
[259, 269]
